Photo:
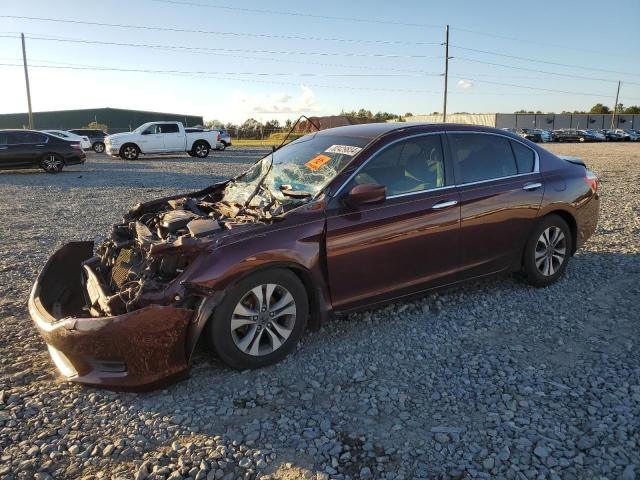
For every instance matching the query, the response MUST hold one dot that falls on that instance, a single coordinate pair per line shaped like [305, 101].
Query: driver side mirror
[366, 194]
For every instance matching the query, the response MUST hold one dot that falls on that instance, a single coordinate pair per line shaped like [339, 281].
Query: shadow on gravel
[114, 177]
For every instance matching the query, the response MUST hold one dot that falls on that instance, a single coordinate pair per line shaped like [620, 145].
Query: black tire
[219, 329]
[98, 147]
[534, 271]
[191, 154]
[200, 149]
[129, 151]
[223, 147]
[52, 163]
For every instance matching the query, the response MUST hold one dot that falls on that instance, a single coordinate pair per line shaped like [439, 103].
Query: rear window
[479, 157]
[168, 128]
[525, 158]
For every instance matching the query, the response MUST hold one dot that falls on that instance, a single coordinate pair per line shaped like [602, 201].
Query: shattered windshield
[301, 168]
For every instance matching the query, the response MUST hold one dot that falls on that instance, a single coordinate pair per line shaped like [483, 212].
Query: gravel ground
[492, 379]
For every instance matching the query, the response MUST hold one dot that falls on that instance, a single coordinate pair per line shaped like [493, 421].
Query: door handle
[531, 186]
[444, 204]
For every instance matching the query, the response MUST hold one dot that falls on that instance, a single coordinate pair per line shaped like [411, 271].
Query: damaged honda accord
[338, 220]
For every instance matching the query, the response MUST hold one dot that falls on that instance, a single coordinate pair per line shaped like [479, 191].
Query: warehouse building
[116, 119]
[545, 121]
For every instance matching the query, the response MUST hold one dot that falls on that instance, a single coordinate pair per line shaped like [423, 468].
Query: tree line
[598, 108]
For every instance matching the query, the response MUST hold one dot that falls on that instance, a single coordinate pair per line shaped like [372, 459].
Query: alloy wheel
[201, 150]
[263, 319]
[129, 152]
[98, 148]
[52, 163]
[551, 250]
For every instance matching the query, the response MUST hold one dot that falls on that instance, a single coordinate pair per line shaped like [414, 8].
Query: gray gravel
[491, 379]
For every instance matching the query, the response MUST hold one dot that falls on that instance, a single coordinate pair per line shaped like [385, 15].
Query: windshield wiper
[258, 185]
[288, 191]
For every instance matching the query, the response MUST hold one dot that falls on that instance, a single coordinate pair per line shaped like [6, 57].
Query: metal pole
[26, 79]
[615, 107]
[446, 73]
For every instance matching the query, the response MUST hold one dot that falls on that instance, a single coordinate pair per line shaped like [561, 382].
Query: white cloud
[283, 103]
[465, 84]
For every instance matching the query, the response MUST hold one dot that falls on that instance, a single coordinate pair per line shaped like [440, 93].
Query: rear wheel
[201, 150]
[223, 145]
[129, 152]
[548, 251]
[260, 320]
[52, 163]
[98, 147]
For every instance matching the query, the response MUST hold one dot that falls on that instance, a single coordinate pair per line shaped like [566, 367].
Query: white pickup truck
[161, 137]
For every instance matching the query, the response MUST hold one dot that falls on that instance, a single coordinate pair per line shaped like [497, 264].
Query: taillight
[219, 136]
[591, 179]
[77, 146]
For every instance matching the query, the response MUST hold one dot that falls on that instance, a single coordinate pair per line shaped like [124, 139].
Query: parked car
[85, 143]
[225, 139]
[250, 262]
[612, 135]
[597, 135]
[96, 137]
[536, 135]
[32, 149]
[573, 135]
[161, 137]
[628, 135]
[223, 142]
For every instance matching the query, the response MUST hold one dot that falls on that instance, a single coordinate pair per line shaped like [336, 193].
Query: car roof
[374, 130]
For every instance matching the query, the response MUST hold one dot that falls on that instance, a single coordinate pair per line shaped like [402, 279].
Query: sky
[234, 60]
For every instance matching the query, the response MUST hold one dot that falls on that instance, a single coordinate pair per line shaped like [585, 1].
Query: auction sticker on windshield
[316, 162]
[343, 149]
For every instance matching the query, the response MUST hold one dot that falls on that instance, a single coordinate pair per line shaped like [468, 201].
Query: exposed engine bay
[156, 242]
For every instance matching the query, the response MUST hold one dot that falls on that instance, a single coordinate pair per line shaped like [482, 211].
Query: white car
[85, 143]
[161, 137]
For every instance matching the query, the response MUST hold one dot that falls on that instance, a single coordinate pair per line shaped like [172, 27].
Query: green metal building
[116, 119]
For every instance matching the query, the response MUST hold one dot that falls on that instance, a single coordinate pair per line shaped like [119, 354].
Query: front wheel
[52, 163]
[98, 147]
[223, 146]
[129, 152]
[547, 252]
[260, 320]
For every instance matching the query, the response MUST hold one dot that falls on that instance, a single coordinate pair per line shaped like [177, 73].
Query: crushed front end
[119, 315]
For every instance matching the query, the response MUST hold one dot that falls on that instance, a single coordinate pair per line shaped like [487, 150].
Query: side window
[409, 166]
[35, 138]
[151, 129]
[480, 157]
[168, 128]
[15, 138]
[525, 158]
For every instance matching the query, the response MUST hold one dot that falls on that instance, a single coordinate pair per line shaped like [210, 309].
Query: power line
[536, 42]
[260, 74]
[216, 75]
[212, 49]
[535, 88]
[213, 75]
[297, 14]
[218, 32]
[543, 61]
[568, 75]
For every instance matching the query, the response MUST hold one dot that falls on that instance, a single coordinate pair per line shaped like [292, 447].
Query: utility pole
[615, 107]
[26, 79]
[446, 73]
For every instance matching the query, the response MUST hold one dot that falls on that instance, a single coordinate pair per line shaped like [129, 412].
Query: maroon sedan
[338, 220]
